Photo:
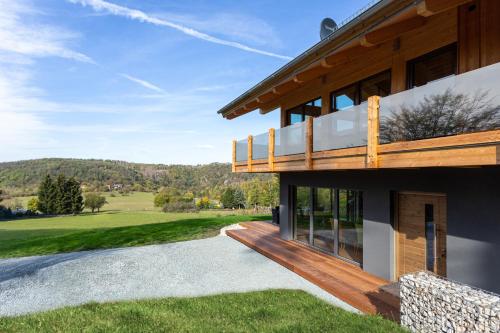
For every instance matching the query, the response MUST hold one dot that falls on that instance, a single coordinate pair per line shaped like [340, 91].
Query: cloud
[134, 14]
[143, 83]
[20, 36]
[234, 25]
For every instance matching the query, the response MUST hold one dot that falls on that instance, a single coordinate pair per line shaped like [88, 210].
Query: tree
[1, 197]
[76, 196]
[32, 205]
[47, 195]
[94, 201]
[233, 197]
[63, 195]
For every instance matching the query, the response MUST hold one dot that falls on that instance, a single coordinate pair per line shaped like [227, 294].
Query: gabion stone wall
[433, 304]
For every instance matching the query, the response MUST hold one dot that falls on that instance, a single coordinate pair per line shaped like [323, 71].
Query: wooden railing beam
[233, 167]
[309, 143]
[249, 156]
[373, 131]
[270, 155]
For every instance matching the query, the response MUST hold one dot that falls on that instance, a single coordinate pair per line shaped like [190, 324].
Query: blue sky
[141, 80]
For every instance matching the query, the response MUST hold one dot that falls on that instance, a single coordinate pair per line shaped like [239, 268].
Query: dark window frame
[410, 64]
[357, 84]
[302, 105]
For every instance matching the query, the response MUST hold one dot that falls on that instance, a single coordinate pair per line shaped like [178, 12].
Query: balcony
[452, 122]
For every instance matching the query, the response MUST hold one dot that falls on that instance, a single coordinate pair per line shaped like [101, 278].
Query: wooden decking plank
[343, 280]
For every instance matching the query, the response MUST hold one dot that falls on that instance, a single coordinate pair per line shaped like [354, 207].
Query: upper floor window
[357, 93]
[432, 66]
[299, 113]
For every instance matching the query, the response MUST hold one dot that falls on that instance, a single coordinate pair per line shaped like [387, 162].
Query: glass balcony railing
[290, 140]
[260, 146]
[242, 150]
[341, 129]
[459, 104]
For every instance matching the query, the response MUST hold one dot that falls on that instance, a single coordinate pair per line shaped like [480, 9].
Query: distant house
[114, 187]
[388, 148]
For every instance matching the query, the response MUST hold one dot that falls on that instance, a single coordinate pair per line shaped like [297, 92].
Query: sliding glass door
[350, 217]
[323, 220]
[330, 220]
[302, 214]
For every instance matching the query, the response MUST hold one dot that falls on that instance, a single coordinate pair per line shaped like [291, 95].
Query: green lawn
[108, 230]
[265, 311]
[135, 201]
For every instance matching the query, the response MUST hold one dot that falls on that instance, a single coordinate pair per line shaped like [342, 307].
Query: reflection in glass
[351, 225]
[323, 225]
[344, 98]
[302, 214]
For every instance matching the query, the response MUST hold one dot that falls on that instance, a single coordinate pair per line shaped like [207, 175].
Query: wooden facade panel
[490, 32]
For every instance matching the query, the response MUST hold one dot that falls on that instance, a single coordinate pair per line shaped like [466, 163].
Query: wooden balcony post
[270, 155]
[233, 167]
[309, 142]
[249, 156]
[373, 131]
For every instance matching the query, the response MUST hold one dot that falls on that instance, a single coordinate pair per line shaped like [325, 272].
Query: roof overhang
[383, 21]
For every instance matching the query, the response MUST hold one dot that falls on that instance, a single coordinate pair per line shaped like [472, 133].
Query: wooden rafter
[392, 31]
[431, 7]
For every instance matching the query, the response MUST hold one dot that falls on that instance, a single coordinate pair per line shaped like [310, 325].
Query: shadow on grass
[105, 238]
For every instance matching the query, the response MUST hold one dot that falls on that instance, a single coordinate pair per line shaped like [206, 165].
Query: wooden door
[421, 233]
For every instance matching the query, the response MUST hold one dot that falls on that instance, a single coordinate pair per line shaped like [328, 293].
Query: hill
[23, 177]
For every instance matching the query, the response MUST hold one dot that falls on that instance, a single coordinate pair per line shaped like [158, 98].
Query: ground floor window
[330, 220]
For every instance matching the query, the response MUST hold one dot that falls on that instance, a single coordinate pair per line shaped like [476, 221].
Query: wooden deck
[347, 282]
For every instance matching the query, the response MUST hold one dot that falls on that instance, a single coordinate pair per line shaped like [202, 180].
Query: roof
[369, 17]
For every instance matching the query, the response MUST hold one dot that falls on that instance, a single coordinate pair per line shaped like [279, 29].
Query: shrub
[179, 207]
[32, 205]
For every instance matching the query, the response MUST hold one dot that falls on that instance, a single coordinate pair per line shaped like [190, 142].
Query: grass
[264, 311]
[134, 201]
[89, 232]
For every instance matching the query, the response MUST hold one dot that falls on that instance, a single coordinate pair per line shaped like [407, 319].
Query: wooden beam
[270, 155]
[266, 97]
[309, 143]
[233, 165]
[285, 87]
[373, 131]
[430, 7]
[341, 57]
[249, 153]
[252, 105]
[392, 31]
[310, 73]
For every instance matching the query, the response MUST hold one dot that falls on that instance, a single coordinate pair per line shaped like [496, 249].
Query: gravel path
[200, 267]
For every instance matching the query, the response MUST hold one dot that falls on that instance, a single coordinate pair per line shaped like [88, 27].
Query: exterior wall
[473, 197]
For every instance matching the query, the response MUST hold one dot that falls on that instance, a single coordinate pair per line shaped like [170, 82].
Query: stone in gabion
[433, 304]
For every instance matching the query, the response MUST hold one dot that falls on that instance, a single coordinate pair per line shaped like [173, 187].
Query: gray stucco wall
[473, 199]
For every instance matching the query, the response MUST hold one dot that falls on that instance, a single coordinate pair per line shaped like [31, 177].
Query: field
[127, 221]
[135, 201]
[264, 311]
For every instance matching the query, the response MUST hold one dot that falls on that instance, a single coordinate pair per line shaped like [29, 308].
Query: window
[299, 113]
[355, 94]
[330, 220]
[432, 66]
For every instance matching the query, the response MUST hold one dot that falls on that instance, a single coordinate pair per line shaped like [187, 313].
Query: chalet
[388, 149]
